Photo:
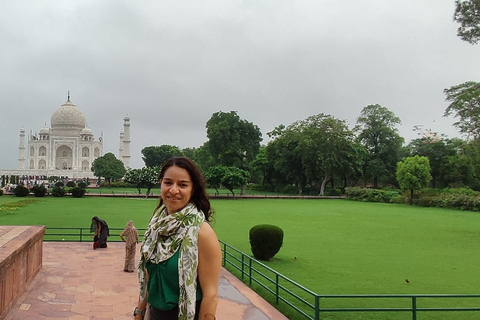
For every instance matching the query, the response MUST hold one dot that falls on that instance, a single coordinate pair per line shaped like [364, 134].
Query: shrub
[1, 192]
[59, 184]
[58, 192]
[265, 241]
[21, 191]
[39, 190]
[70, 184]
[78, 192]
[82, 184]
[373, 195]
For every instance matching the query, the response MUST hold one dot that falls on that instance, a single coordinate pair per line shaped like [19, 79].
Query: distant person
[101, 232]
[130, 236]
[180, 257]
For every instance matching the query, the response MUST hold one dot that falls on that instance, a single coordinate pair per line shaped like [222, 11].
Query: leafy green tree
[326, 146]
[108, 167]
[442, 154]
[378, 133]
[213, 177]
[234, 177]
[465, 105]
[283, 155]
[203, 158]
[150, 177]
[189, 153]
[316, 149]
[134, 176]
[413, 174]
[467, 14]
[229, 177]
[232, 141]
[261, 165]
[155, 156]
[467, 165]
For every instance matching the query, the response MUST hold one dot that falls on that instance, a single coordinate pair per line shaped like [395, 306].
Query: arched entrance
[64, 158]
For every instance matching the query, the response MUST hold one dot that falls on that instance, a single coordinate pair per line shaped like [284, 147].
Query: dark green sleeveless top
[163, 287]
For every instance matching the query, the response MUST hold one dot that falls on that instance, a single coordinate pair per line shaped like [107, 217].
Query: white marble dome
[68, 117]
[86, 131]
[44, 130]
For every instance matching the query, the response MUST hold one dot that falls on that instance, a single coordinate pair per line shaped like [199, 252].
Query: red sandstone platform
[79, 283]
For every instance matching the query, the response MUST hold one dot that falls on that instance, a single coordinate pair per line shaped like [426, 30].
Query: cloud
[170, 65]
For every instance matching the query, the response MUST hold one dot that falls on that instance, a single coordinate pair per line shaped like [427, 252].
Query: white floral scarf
[166, 234]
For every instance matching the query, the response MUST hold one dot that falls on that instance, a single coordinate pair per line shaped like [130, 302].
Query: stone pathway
[78, 283]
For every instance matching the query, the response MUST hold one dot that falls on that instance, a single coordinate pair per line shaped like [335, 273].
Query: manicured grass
[330, 246]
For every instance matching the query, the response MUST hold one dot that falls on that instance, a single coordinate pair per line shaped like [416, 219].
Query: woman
[180, 258]
[130, 236]
[101, 232]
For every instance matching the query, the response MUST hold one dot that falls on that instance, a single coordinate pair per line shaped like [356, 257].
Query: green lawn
[330, 246]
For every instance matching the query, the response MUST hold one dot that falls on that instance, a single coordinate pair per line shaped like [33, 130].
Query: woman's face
[176, 189]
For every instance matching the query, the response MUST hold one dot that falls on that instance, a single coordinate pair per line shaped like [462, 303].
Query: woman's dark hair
[199, 194]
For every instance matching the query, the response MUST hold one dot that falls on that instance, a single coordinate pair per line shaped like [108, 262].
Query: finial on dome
[68, 98]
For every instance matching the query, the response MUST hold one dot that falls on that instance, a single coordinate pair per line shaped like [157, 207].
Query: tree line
[321, 154]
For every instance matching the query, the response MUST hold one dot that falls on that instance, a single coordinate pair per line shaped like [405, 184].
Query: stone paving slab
[77, 283]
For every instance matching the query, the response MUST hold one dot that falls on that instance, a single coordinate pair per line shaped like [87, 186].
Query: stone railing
[20, 261]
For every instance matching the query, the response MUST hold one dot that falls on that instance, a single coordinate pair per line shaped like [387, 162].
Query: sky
[169, 65]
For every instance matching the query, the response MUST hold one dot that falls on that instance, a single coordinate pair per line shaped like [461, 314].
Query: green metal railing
[82, 234]
[307, 304]
[301, 302]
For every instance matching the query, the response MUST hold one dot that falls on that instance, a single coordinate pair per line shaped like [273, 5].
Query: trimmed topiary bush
[39, 191]
[21, 191]
[70, 184]
[58, 192]
[78, 192]
[265, 241]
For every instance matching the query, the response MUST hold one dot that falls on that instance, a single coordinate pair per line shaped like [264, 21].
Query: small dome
[68, 117]
[44, 130]
[86, 131]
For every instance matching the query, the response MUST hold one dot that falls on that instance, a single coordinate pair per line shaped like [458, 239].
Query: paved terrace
[79, 283]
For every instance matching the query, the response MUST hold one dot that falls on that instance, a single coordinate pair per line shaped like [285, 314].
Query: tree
[261, 165]
[442, 154]
[379, 135]
[213, 177]
[231, 140]
[145, 177]
[229, 177]
[282, 153]
[326, 146]
[234, 177]
[108, 167]
[467, 14]
[413, 174]
[134, 176]
[465, 104]
[150, 177]
[154, 156]
[318, 148]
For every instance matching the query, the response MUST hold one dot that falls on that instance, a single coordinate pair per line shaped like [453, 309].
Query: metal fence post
[276, 288]
[414, 308]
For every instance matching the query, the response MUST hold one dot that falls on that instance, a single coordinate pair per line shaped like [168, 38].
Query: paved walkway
[78, 283]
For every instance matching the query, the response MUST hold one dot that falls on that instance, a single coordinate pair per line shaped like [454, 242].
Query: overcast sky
[169, 65]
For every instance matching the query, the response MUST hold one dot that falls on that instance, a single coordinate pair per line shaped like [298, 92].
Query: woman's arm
[209, 264]
[121, 235]
[142, 305]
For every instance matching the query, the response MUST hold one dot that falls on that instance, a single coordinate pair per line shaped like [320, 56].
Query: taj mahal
[67, 148]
